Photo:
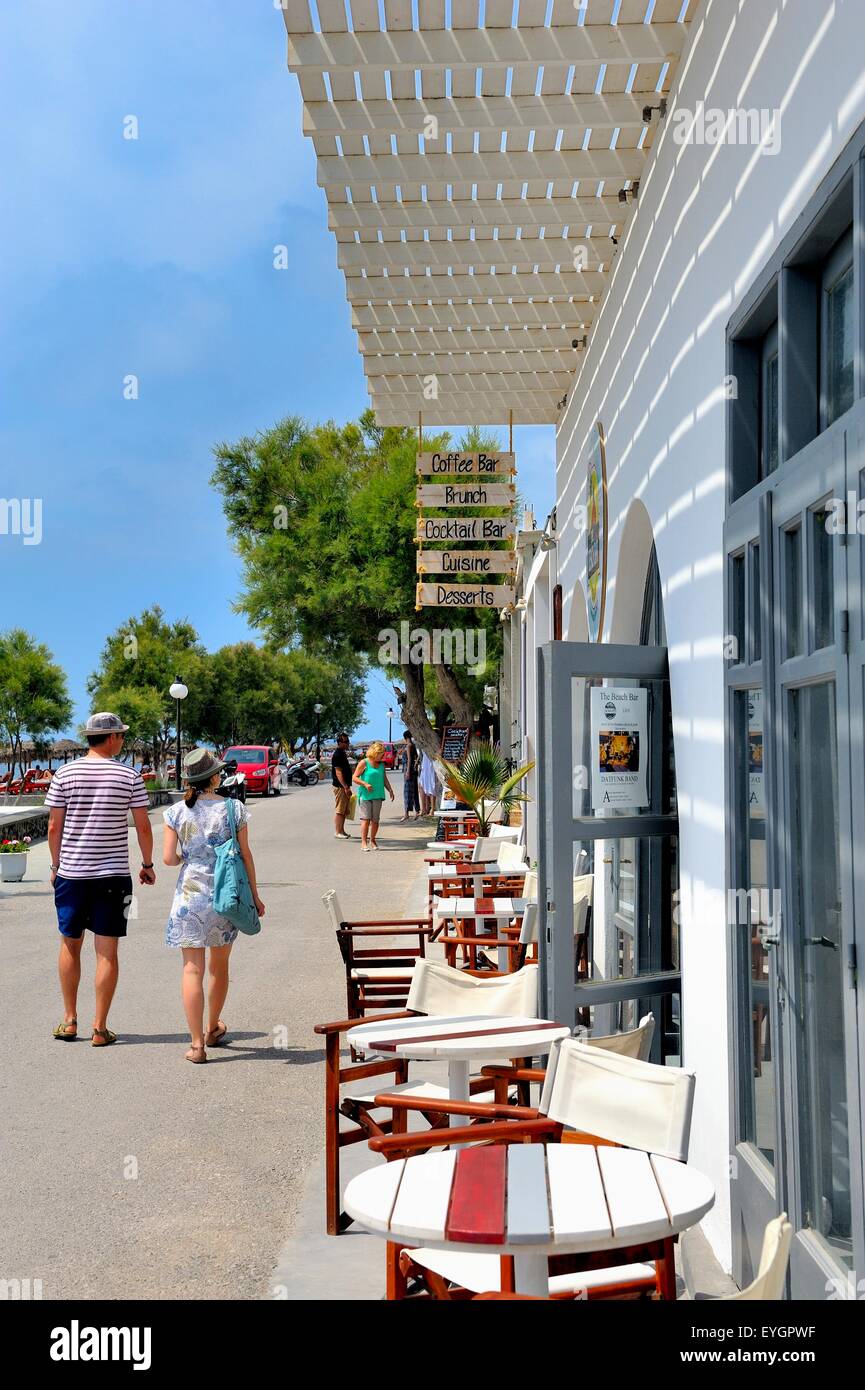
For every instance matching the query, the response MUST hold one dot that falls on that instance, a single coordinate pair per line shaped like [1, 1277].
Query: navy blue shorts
[99, 905]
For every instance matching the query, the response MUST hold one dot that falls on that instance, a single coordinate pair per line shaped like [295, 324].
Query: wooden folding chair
[377, 977]
[435, 990]
[592, 1095]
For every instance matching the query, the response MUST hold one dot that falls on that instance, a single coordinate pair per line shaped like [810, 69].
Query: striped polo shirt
[96, 794]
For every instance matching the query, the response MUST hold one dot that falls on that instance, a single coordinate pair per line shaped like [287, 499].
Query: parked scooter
[232, 782]
[303, 772]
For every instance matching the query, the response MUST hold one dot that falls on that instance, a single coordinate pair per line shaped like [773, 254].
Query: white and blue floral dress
[199, 829]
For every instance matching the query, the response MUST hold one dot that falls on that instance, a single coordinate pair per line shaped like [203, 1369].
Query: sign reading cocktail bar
[465, 528]
[456, 465]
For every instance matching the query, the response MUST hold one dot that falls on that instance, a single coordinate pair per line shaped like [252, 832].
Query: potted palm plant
[484, 783]
[13, 859]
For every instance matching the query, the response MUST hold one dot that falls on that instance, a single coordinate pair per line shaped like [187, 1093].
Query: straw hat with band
[200, 765]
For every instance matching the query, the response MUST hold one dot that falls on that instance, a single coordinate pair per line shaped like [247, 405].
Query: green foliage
[482, 781]
[260, 696]
[34, 700]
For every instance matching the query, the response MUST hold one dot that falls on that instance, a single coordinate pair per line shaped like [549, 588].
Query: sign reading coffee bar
[462, 482]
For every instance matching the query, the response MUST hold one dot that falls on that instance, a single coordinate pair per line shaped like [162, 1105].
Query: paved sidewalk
[128, 1173]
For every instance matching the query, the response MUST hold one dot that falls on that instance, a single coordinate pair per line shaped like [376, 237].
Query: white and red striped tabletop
[530, 1198]
[502, 909]
[489, 869]
[459, 1038]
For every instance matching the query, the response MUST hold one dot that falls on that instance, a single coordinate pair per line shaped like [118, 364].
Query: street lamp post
[391, 715]
[178, 691]
[318, 709]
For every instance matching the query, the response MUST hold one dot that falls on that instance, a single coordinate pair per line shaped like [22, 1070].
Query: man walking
[340, 776]
[88, 841]
[410, 798]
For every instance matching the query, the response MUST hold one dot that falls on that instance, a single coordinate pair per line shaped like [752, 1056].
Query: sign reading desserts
[481, 481]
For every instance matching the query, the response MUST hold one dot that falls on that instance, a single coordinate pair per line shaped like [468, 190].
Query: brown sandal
[61, 1030]
[214, 1036]
[196, 1055]
[103, 1037]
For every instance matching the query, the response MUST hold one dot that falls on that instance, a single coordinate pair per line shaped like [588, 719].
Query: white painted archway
[635, 551]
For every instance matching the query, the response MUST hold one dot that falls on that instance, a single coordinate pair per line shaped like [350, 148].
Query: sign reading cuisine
[620, 747]
[596, 536]
[455, 464]
[466, 562]
[465, 528]
[471, 596]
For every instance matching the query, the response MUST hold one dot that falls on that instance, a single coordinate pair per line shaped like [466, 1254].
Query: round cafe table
[530, 1201]
[458, 1041]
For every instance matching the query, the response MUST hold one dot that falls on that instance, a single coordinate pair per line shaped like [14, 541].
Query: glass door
[814, 742]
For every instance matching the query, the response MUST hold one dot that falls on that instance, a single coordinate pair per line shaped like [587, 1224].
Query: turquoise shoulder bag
[232, 894]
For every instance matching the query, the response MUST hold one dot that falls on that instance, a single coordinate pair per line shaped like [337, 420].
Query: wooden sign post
[468, 596]
[466, 562]
[458, 465]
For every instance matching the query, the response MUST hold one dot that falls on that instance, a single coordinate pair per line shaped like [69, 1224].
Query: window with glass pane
[737, 608]
[793, 591]
[752, 908]
[838, 331]
[823, 579]
[816, 920]
[756, 627]
[769, 403]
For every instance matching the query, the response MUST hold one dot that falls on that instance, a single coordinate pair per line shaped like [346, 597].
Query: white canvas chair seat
[373, 973]
[440, 989]
[483, 1273]
[423, 1090]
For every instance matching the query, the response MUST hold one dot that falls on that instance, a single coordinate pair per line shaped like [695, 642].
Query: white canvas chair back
[638, 1104]
[510, 856]
[334, 911]
[440, 990]
[768, 1287]
[507, 832]
[584, 886]
[529, 926]
[530, 887]
[637, 1042]
[483, 849]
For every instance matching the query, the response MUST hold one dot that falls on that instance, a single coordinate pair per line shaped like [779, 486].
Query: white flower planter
[12, 867]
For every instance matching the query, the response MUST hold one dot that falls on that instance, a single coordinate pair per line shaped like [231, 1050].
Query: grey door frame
[558, 665]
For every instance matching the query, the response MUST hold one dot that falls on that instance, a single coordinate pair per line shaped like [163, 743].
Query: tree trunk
[413, 709]
[449, 689]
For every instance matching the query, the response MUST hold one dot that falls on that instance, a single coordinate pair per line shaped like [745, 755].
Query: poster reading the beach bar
[619, 748]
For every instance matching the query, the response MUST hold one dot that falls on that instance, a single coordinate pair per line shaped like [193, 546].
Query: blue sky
[154, 257]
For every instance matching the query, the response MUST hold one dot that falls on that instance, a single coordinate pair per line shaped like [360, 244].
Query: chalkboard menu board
[455, 741]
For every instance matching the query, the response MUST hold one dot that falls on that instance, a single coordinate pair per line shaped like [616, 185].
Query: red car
[390, 755]
[259, 765]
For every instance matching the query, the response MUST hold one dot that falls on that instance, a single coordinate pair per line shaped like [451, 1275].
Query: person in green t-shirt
[370, 778]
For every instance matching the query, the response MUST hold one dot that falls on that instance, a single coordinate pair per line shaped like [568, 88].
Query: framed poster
[756, 795]
[620, 747]
[596, 536]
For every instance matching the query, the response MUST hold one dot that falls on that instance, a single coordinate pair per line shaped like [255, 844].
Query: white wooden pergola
[479, 159]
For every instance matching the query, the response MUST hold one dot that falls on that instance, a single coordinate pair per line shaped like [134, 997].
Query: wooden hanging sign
[458, 465]
[479, 494]
[478, 562]
[465, 528]
[464, 596]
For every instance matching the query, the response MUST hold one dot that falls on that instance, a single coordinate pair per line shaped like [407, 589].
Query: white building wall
[707, 220]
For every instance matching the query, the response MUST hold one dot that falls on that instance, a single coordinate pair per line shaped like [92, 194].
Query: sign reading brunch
[596, 536]
[462, 481]
[619, 747]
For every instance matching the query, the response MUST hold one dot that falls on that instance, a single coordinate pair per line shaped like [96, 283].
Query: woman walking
[428, 785]
[370, 778]
[193, 829]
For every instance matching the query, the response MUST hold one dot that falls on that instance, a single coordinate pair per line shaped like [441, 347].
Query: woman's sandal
[61, 1031]
[197, 1055]
[103, 1037]
[213, 1037]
